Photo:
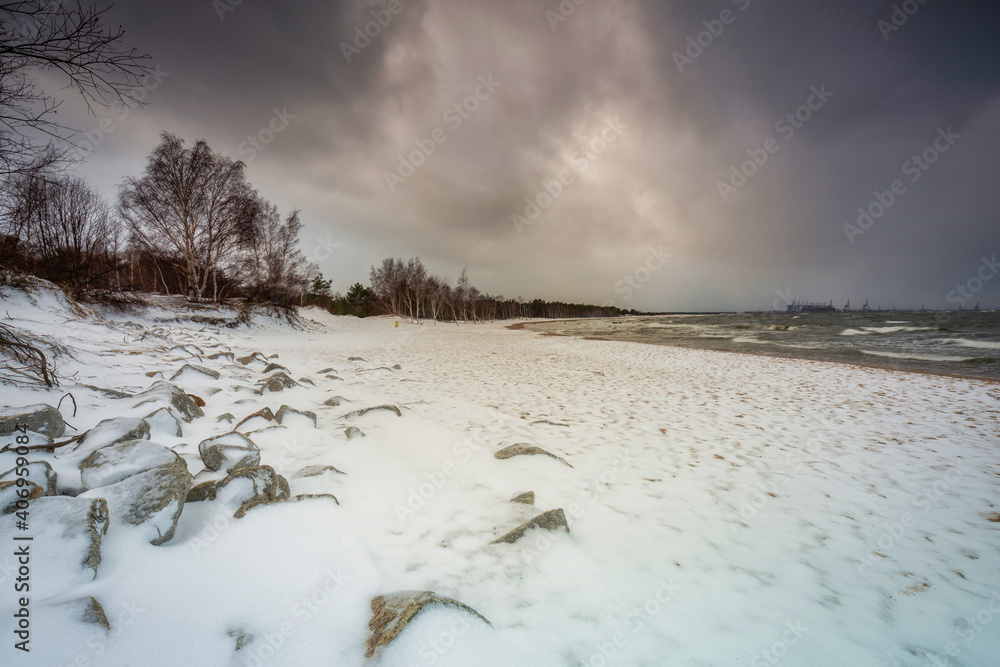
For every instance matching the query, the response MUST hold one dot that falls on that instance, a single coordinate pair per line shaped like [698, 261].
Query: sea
[961, 343]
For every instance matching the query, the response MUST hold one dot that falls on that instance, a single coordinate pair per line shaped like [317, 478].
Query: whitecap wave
[978, 344]
[915, 357]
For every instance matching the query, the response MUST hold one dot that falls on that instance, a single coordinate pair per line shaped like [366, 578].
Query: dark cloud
[560, 85]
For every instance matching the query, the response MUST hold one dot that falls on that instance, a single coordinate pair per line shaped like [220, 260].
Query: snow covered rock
[277, 382]
[228, 356]
[225, 417]
[244, 489]
[378, 408]
[551, 520]
[315, 471]
[39, 472]
[164, 422]
[292, 415]
[353, 432]
[40, 418]
[152, 500]
[392, 612]
[113, 431]
[525, 498]
[107, 393]
[335, 401]
[256, 356]
[11, 492]
[271, 367]
[257, 420]
[524, 449]
[355, 359]
[232, 452]
[169, 395]
[195, 372]
[116, 462]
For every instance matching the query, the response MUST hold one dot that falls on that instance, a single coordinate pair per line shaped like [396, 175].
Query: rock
[355, 359]
[87, 610]
[256, 356]
[169, 395]
[163, 422]
[993, 518]
[551, 520]
[76, 525]
[273, 356]
[257, 420]
[152, 500]
[225, 417]
[397, 367]
[109, 393]
[524, 449]
[192, 371]
[189, 350]
[363, 411]
[40, 418]
[11, 492]
[325, 371]
[335, 401]
[242, 638]
[153, 374]
[244, 489]
[111, 464]
[525, 498]
[306, 381]
[113, 431]
[315, 471]
[314, 496]
[274, 367]
[39, 472]
[228, 356]
[232, 452]
[198, 400]
[394, 611]
[277, 382]
[353, 432]
[285, 412]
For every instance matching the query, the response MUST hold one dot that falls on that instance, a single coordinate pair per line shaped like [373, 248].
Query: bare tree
[73, 40]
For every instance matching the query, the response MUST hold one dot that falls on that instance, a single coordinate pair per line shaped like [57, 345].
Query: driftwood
[47, 448]
[25, 360]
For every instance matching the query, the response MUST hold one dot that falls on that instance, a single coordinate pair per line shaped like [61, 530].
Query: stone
[353, 432]
[11, 492]
[38, 472]
[363, 411]
[315, 471]
[244, 489]
[40, 418]
[397, 367]
[291, 414]
[264, 414]
[256, 356]
[394, 611]
[335, 401]
[76, 526]
[194, 372]
[108, 393]
[524, 449]
[242, 638]
[274, 367]
[115, 430]
[277, 382]
[225, 417]
[231, 452]
[325, 371]
[198, 400]
[228, 356]
[116, 462]
[169, 395]
[151, 501]
[355, 359]
[163, 422]
[551, 520]
[314, 496]
[307, 381]
[525, 498]
[153, 374]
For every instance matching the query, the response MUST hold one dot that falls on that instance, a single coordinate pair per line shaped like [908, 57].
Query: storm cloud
[555, 147]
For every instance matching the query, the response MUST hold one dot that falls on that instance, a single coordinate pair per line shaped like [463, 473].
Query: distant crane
[847, 308]
[866, 308]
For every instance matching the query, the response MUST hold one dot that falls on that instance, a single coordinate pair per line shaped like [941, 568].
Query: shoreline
[522, 326]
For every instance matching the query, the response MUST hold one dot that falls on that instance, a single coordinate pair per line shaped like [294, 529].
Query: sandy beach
[723, 509]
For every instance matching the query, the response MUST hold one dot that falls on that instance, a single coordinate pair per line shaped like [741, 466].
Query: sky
[662, 156]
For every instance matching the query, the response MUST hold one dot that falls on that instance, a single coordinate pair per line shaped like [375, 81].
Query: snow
[724, 509]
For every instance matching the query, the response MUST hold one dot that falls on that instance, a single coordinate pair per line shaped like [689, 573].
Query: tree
[72, 40]
[319, 287]
[193, 206]
[360, 299]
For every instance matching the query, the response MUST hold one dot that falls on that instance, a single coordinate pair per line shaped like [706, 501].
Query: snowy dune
[724, 509]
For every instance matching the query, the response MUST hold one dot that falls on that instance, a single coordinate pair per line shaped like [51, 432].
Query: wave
[916, 357]
[979, 344]
[854, 332]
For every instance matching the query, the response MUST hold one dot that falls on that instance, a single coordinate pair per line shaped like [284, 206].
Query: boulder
[271, 367]
[353, 432]
[114, 463]
[363, 411]
[163, 422]
[73, 528]
[244, 489]
[229, 452]
[355, 359]
[307, 381]
[394, 611]
[315, 471]
[169, 395]
[38, 472]
[153, 374]
[524, 449]
[257, 420]
[115, 430]
[326, 370]
[277, 382]
[192, 371]
[397, 367]
[292, 415]
[335, 401]
[256, 356]
[525, 498]
[551, 520]
[40, 418]
[11, 492]
[228, 356]
[225, 417]
[151, 501]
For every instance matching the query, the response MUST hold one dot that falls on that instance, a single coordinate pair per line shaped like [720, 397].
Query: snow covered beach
[722, 509]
